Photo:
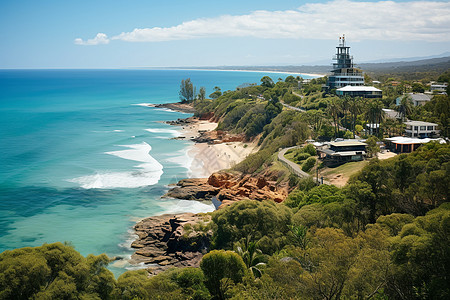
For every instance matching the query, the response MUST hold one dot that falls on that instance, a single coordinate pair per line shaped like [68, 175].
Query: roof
[393, 114]
[350, 88]
[420, 123]
[419, 97]
[342, 153]
[347, 144]
[407, 140]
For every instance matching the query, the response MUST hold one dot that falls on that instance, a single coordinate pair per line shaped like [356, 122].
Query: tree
[417, 87]
[54, 271]
[355, 108]
[202, 93]
[374, 111]
[422, 253]
[187, 91]
[267, 82]
[328, 262]
[406, 106]
[265, 221]
[222, 269]
[334, 110]
[251, 255]
[216, 94]
[292, 79]
[372, 146]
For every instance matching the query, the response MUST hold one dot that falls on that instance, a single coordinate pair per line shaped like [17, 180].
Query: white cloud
[99, 39]
[384, 20]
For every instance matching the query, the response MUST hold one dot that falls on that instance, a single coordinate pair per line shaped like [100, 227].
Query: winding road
[294, 168]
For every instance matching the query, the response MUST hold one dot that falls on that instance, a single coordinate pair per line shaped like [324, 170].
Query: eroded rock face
[164, 242]
[229, 187]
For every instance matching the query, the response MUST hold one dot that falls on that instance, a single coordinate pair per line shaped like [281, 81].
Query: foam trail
[183, 159]
[169, 110]
[145, 104]
[148, 172]
[172, 132]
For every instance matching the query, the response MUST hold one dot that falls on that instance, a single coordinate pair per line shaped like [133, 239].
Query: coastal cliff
[171, 240]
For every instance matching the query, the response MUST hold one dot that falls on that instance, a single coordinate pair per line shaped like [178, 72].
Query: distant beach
[256, 71]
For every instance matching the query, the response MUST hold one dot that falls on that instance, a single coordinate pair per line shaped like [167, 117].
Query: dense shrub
[310, 149]
[309, 164]
[299, 157]
[266, 222]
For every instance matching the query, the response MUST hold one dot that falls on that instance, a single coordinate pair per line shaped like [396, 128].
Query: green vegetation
[187, 91]
[385, 235]
[347, 169]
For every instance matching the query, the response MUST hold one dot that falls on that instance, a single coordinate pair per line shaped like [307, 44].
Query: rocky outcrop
[193, 189]
[231, 187]
[170, 240]
[181, 107]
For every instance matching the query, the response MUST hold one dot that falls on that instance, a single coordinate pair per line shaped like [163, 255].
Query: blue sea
[83, 158]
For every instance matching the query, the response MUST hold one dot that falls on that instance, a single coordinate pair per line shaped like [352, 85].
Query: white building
[439, 87]
[421, 129]
[359, 91]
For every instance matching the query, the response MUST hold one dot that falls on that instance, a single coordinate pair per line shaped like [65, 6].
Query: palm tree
[406, 106]
[374, 111]
[252, 256]
[334, 109]
[355, 108]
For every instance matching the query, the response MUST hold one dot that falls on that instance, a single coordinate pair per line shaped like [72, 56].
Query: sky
[181, 33]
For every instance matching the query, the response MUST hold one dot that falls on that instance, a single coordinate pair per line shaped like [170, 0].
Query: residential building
[359, 91]
[342, 152]
[401, 144]
[439, 87]
[421, 129]
[391, 114]
[416, 98]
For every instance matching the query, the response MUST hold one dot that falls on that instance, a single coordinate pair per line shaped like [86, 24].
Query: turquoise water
[82, 158]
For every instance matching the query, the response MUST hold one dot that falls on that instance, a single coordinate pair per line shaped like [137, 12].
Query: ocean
[83, 157]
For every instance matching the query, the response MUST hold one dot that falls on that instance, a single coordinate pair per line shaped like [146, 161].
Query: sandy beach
[209, 158]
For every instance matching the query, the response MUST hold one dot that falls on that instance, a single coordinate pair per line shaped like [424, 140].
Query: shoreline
[151, 251]
[207, 158]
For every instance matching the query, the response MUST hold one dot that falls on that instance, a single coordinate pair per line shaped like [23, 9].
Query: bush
[54, 271]
[310, 149]
[301, 156]
[219, 267]
[265, 221]
[309, 164]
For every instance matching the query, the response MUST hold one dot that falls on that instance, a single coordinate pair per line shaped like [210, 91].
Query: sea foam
[145, 104]
[147, 173]
[172, 132]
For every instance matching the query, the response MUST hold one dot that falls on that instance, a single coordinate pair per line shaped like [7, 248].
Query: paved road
[293, 166]
[292, 107]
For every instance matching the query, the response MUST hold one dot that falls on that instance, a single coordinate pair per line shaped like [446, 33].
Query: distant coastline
[254, 71]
